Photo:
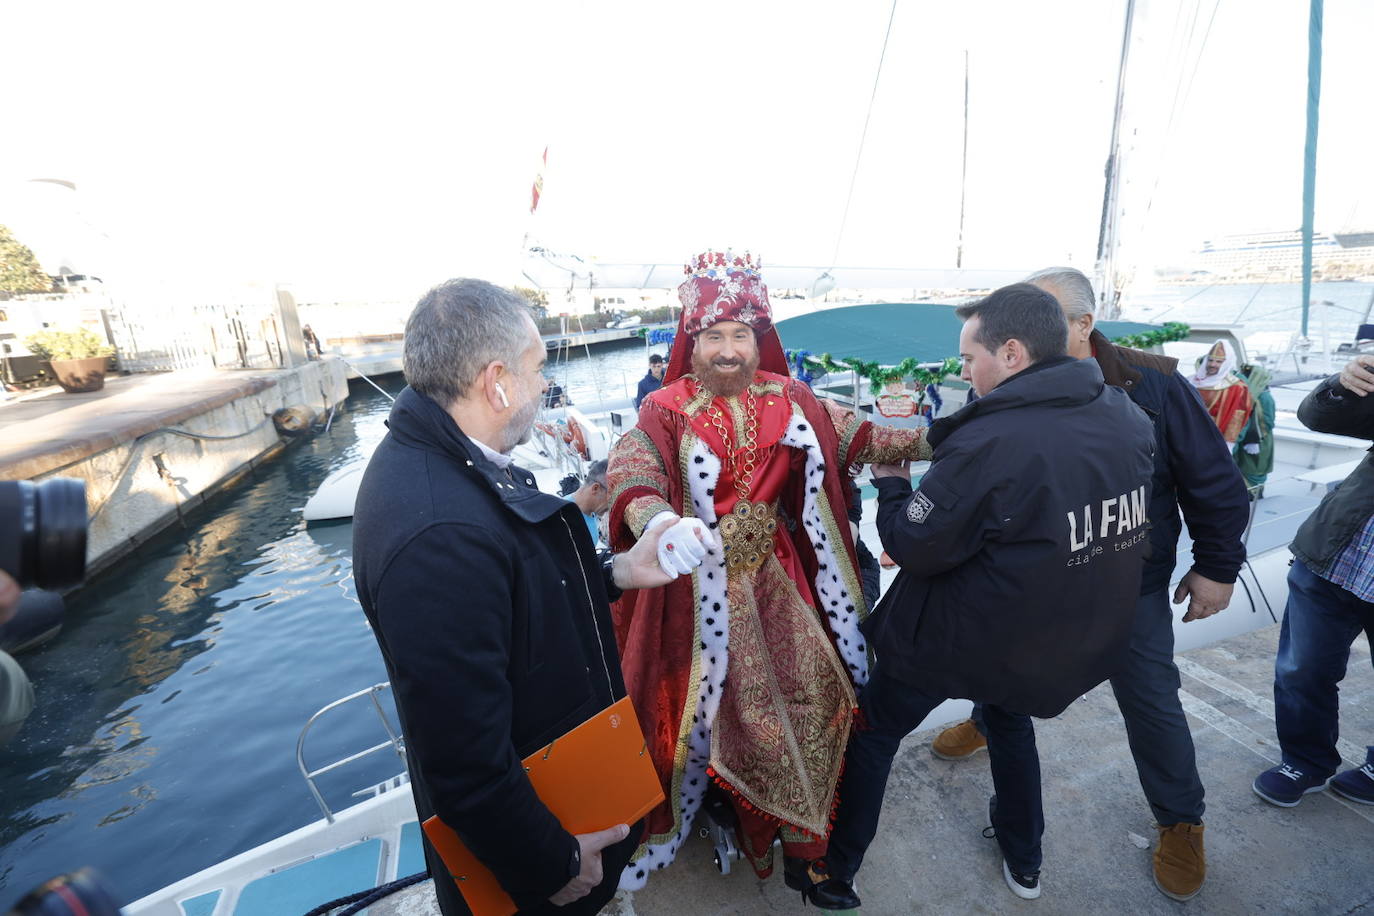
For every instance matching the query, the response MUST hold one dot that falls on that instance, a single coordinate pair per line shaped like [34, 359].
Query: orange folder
[596, 776]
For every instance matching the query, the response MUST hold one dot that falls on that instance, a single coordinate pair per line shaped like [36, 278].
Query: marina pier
[151, 447]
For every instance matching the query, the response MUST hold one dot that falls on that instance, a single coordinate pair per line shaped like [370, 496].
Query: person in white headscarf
[1223, 391]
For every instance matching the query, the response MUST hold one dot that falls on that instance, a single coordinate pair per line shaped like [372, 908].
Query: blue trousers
[890, 711]
[1146, 691]
[1320, 622]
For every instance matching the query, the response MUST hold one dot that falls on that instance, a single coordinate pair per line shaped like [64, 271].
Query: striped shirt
[1353, 568]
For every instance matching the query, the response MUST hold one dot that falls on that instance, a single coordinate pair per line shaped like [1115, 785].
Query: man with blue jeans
[1194, 471]
[1330, 600]
[1020, 555]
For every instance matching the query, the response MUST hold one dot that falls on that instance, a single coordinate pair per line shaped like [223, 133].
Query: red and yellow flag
[539, 180]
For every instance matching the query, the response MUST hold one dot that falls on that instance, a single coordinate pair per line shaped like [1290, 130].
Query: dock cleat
[1286, 785]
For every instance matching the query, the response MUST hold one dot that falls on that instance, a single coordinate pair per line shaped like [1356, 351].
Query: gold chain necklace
[743, 467]
[748, 529]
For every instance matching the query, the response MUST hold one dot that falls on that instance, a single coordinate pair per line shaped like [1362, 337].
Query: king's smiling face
[725, 357]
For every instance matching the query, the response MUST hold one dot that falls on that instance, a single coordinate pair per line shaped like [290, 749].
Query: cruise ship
[1337, 255]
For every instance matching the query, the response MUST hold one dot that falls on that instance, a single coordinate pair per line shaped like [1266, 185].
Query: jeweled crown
[717, 264]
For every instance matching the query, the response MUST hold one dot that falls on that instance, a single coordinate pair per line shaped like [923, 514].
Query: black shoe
[1027, 887]
[795, 875]
[833, 894]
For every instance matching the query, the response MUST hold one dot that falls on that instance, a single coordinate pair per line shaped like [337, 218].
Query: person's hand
[640, 566]
[901, 469]
[10, 594]
[1251, 448]
[590, 875]
[684, 545]
[1358, 375]
[1206, 597]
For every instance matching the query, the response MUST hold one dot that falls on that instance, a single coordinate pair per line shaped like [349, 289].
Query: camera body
[43, 532]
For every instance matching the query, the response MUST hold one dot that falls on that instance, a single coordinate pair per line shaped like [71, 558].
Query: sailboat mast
[963, 174]
[1309, 159]
[1106, 235]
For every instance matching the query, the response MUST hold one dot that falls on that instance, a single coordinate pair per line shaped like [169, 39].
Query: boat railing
[394, 742]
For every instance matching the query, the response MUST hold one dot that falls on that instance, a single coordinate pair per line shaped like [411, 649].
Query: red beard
[725, 384]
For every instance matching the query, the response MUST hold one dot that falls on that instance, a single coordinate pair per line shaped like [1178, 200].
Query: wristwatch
[613, 592]
[575, 862]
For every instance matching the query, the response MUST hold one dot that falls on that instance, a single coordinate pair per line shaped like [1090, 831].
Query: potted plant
[78, 358]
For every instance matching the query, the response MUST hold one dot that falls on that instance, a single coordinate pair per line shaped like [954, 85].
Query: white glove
[684, 545]
[1252, 448]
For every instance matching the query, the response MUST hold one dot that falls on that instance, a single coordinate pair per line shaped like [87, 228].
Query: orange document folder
[596, 776]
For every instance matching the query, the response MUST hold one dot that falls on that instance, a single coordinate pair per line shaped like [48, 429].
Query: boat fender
[38, 619]
[293, 421]
[577, 439]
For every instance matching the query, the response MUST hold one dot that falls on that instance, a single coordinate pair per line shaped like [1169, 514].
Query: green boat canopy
[889, 332]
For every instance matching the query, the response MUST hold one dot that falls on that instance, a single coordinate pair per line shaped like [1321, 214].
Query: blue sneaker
[1356, 785]
[1285, 785]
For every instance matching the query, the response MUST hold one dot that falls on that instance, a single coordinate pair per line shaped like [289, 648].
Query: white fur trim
[839, 608]
[713, 624]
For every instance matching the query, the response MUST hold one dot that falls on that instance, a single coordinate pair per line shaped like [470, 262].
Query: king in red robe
[1224, 393]
[744, 672]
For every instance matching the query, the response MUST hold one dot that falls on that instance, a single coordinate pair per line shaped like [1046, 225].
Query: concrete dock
[151, 446]
[930, 855]
[380, 354]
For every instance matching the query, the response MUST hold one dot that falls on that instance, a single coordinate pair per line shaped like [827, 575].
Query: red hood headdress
[722, 286]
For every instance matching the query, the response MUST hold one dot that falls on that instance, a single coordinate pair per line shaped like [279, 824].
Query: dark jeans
[890, 710]
[1147, 693]
[1320, 622]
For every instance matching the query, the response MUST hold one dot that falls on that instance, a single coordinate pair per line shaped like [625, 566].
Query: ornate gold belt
[747, 533]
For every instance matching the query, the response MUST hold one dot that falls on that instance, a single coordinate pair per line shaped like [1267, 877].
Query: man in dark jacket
[1020, 557]
[1330, 600]
[1192, 470]
[488, 602]
[652, 381]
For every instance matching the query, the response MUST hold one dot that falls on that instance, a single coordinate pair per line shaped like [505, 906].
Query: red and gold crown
[724, 286]
[715, 264]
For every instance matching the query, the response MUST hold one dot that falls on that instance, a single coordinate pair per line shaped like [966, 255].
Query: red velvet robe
[672, 641]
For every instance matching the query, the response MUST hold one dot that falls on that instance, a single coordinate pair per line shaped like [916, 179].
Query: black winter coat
[1194, 470]
[491, 613]
[1021, 550]
[1329, 408]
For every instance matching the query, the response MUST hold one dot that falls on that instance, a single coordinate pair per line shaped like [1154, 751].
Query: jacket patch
[919, 508]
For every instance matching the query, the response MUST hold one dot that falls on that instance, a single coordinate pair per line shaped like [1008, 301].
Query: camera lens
[43, 531]
[80, 892]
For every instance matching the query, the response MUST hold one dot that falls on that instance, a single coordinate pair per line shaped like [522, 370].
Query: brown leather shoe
[959, 742]
[1180, 862]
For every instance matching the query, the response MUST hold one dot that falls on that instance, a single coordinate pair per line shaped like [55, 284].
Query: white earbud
[501, 393]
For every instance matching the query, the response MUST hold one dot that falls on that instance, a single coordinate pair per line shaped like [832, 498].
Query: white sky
[358, 150]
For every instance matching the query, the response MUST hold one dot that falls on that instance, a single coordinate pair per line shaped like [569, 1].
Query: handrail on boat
[394, 741]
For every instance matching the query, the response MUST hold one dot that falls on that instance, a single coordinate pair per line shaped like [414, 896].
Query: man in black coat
[1193, 471]
[1020, 557]
[488, 601]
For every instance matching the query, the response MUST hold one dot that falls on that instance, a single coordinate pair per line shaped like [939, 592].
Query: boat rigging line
[362, 375]
[863, 136]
